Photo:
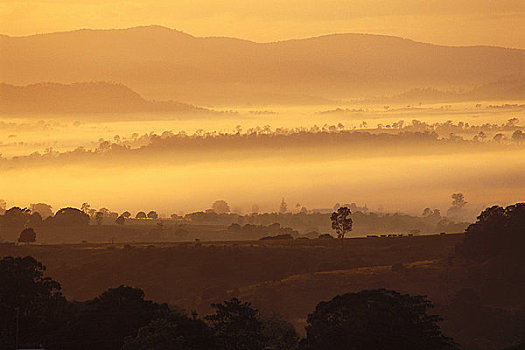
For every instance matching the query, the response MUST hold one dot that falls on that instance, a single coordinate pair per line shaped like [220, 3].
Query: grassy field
[192, 275]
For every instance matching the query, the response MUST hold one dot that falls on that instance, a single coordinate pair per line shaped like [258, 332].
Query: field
[192, 276]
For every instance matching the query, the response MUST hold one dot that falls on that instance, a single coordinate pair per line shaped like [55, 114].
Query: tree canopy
[24, 291]
[27, 235]
[374, 319]
[497, 231]
[70, 217]
[341, 221]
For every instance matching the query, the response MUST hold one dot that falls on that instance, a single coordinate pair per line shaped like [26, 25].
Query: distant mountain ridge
[163, 63]
[89, 97]
[500, 90]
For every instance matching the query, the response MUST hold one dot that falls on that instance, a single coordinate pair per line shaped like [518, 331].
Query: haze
[447, 22]
[251, 175]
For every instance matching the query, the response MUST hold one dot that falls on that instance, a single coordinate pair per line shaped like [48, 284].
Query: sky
[447, 22]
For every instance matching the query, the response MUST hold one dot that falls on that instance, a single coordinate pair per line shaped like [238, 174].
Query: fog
[395, 180]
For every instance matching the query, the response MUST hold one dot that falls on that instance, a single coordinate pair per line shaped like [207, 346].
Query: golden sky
[452, 22]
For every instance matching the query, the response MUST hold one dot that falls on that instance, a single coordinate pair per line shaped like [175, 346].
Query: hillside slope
[99, 97]
[163, 63]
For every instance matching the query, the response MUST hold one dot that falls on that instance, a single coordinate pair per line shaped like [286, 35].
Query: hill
[509, 89]
[163, 63]
[99, 97]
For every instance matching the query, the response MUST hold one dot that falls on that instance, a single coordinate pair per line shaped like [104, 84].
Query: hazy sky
[453, 22]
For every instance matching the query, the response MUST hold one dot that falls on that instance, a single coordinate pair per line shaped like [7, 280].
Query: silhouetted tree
[34, 220]
[341, 222]
[3, 206]
[141, 215]
[70, 217]
[16, 218]
[221, 207]
[374, 319]
[279, 334]
[497, 231]
[120, 220]
[518, 136]
[104, 322]
[237, 326]
[43, 209]
[27, 235]
[153, 215]
[26, 293]
[126, 215]
[99, 217]
[176, 331]
[86, 207]
[283, 208]
[458, 205]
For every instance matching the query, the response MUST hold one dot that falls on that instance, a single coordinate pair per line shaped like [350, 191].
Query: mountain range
[162, 63]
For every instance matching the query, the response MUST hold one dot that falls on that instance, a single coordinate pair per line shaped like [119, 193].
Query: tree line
[35, 313]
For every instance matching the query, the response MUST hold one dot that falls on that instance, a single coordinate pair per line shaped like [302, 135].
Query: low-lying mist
[397, 159]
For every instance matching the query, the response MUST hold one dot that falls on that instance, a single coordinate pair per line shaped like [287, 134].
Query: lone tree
[375, 319]
[140, 215]
[27, 235]
[341, 222]
[458, 205]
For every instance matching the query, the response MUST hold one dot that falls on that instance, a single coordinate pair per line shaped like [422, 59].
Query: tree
[120, 220]
[518, 136]
[105, 321]
[221, 207]
[16, 217]
[458, 205]
[86, 207]
[3, 206]
[237, 326]
[374, 319]
[279, 333]
[498, 231]
[26, 293]
[458, 200]
[153, 215]
[283, 208]
[141, 215]
[177, 331]
[34, 219]
[43, 209]
[70, 217]
[99, 217]
[27, 235]
[341, 222]
[126, 215]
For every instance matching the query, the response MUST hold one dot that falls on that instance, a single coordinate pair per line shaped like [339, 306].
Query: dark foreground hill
[288, 277]
[93, 97]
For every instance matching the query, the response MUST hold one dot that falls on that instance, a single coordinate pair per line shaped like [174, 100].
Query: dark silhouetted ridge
[90, 97]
